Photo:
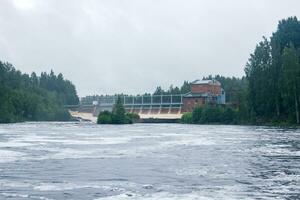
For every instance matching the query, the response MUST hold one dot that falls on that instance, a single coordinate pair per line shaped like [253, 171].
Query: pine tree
[119, 112]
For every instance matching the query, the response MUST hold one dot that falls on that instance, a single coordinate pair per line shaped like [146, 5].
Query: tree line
[270, 90]
[26, 97]
[185, 88]
[273, 72]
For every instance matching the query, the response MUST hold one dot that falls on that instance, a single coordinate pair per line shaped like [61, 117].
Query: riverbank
[175, 118]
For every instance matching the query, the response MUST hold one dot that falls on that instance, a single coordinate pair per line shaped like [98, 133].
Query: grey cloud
[112, 46]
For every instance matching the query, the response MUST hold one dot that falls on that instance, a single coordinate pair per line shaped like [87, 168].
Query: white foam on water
[104, 185]
[22, 196]
[192, 171]
[10, 156]
[155, 196]
[33, 139]
[10, 195]
[93, 141]
[234, 192]
[124, 151]
[286, 177]
[275, 150]
[64, 153]
[51, 144]
[61, 152]
[14, 184]
[62, 186]
[70, 153]
[160, 196]
[14, 143]
[188, 142]
[114, 142]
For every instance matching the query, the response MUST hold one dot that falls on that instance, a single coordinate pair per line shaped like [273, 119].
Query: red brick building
[203, 92]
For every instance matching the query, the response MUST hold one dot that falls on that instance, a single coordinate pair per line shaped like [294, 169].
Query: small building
[203, 92]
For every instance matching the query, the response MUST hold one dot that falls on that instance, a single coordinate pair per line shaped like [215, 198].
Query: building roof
[206, 82]
[202, 94]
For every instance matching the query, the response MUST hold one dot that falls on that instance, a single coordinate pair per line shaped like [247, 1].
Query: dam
[147, 106]
[163, 106]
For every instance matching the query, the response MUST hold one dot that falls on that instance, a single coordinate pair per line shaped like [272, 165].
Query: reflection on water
[148, 161]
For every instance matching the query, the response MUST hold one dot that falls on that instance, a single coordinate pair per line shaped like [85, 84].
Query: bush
[105, 118]
[229, 116]
[132, 117]
[187, 118]
[196, 114]
[211, 114]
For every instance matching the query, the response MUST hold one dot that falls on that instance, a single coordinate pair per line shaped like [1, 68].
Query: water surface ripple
[53, 161]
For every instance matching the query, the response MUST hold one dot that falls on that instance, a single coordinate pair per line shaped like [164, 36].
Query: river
[53, 161]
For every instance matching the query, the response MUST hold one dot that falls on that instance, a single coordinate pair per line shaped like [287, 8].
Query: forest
[273, 74]
[26, 97]
[269, 93]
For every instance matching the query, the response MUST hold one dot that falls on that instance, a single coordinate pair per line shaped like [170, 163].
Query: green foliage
[63, 89]
[28, 98]
[118, 113]
[187, 118]
[273, 73]
[229, 116]
[117, 116]
[196, 114]
[133, 117]
[291, 76]
[257, 72]
[105, 117]
[185, 88]
[210, 114]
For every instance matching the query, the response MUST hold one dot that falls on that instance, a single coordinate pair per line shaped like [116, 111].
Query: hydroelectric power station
[157, 106]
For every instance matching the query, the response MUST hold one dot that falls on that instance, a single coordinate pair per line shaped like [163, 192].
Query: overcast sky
[132, 46]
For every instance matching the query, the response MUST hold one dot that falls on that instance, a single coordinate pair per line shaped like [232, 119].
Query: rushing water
[148, 161]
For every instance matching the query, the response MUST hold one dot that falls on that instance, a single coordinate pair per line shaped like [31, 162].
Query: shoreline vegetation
[268, 94]
[272, 94]
[26, 97]
[117, 116]
[218, 115]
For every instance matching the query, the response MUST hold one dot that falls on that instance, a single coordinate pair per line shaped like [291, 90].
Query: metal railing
[147, 100]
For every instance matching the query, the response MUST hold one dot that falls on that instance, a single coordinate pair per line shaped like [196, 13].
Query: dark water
[148, 161]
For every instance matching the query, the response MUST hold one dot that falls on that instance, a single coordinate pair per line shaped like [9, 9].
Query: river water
[52, 161]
